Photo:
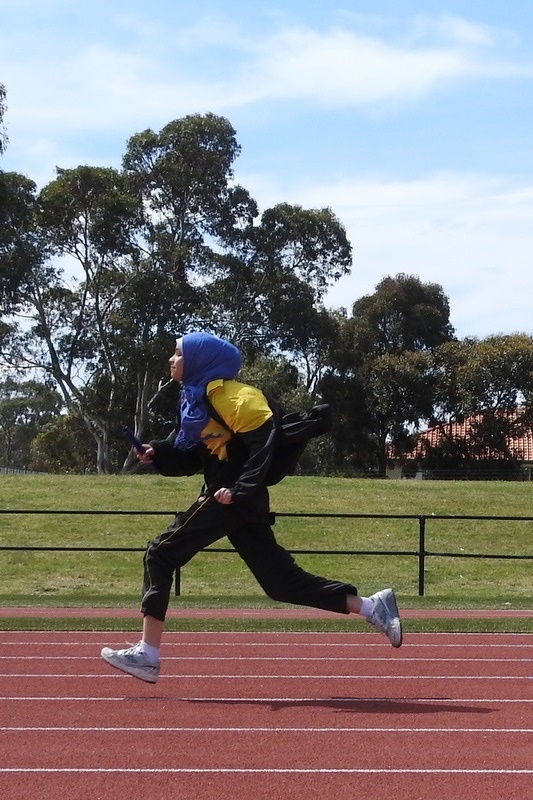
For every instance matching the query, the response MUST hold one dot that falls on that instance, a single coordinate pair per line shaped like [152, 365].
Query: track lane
[367, 734]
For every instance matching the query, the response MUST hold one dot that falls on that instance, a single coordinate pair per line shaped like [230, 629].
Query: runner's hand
[223, 496]
[146, 457]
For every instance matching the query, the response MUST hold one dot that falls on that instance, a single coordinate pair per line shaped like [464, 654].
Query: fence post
[421, 554]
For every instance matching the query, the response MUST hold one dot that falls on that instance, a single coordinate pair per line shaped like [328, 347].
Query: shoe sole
[124, 668]
[396, 624]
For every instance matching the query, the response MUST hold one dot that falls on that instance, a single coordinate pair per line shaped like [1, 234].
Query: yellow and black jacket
[248, 442]
[236, 449]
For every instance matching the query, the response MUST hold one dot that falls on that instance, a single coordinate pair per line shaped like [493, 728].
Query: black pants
[273, 567]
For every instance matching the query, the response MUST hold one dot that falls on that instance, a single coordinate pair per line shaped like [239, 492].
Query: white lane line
[359, 644]
[315, 701]
[370, 659]
[264, 771]
[228, 729]
[256, 676]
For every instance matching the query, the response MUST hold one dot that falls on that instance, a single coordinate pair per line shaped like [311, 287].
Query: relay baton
[132, 439]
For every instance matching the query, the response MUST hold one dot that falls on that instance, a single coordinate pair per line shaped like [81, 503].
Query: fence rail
[421, 553]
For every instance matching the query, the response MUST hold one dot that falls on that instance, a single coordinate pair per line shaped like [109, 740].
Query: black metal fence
[421, 553]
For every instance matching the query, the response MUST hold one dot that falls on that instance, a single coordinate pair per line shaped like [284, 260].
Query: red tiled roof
[520, 445]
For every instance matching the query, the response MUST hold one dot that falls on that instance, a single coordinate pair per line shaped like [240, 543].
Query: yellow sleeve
[242, 407]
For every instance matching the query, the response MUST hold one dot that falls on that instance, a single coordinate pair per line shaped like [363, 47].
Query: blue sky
[412, 121]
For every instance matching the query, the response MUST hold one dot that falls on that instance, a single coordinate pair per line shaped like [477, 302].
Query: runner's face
[176, 365]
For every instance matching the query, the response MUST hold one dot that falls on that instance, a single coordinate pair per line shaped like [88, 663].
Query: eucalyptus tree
[137, 242]
[403, 313]
[248, 279]
[19, 251]
[495, 373]
[63, 446]
[184, 177]
[26, 408]
[489, 380]
[87, 219]
[167, 243]
[268, 287]
[386, 360]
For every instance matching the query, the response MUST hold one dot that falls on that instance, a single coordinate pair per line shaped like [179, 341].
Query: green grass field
[30, 578]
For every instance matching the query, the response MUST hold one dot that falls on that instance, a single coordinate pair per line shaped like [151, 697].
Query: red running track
[265, 716]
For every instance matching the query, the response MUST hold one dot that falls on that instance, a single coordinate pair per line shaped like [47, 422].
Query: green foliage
[313, 242]
[403, 314]
[266, 289]
[167, 244]
[183, 176]
[64, 446]
[489, 382]
[19, 250]
[487, 374]
[279, 379]
[383, 377]
[170, 243]
[25, 409]
[90, 214]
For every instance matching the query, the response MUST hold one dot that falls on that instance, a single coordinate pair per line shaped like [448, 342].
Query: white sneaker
[385, 616]
[132, 661]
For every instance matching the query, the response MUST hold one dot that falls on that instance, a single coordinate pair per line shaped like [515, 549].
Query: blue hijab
[205, 358]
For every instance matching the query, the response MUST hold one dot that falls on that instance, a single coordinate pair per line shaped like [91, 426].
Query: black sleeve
[260, 444]
[171, 462]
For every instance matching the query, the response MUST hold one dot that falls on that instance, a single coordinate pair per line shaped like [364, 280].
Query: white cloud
[93, 83]
[457, 30]
[342, 68]
[75, 97]
[67, 95]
